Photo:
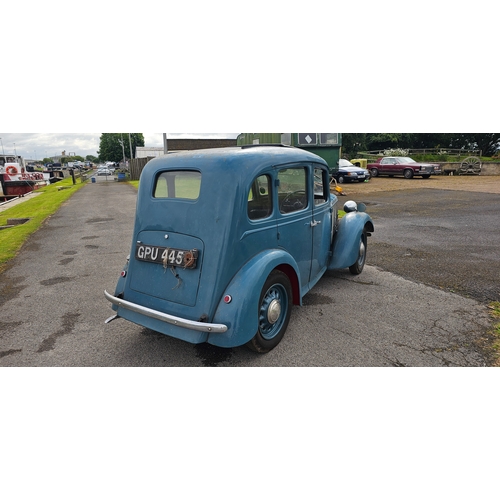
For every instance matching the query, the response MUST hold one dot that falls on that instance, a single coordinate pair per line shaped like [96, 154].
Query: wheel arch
[346, 244]
[294, 281]
[244, 289]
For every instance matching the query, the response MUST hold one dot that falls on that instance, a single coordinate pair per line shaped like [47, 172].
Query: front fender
[346, 243]
[240, 315]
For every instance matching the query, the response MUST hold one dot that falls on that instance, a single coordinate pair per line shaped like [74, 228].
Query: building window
[307, 139]
[286, 139]
[331, 139]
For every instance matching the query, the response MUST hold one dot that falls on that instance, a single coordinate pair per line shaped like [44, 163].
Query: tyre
[341, 179]
[426, 176]
[275, 307]
[408, 173]
[358, 266]
[374, 172]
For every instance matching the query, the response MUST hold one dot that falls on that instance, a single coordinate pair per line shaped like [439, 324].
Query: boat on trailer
[15, 180]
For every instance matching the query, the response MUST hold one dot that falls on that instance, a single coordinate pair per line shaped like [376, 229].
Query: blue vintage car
[226, 240]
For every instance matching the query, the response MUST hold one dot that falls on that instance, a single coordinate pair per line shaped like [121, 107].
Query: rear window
[178, 184]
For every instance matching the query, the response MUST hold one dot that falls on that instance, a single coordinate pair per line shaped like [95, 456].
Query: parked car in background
[401, 165]
[226, 240]
[104, 171]
[347, 172]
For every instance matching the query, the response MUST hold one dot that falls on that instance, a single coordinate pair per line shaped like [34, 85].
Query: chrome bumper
[167, 318]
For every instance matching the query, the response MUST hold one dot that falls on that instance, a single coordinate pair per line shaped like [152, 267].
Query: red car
[401, 165]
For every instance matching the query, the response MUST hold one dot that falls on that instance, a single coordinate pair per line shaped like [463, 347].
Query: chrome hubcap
[274, 311]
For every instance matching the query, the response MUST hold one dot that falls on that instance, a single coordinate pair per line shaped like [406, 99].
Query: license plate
[168, 257]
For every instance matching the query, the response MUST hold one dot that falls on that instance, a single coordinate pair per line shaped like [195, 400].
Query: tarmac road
[450, 239]
[52, 308]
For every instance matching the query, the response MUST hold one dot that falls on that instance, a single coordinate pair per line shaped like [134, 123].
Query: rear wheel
[408, 173]
[358, 266]
[275, 307]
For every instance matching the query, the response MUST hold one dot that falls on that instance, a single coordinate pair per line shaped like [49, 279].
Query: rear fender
[122, 281]
[346, 242]
[240, 314]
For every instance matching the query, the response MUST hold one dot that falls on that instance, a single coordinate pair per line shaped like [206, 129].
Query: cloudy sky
[45, 145]
[221, 76]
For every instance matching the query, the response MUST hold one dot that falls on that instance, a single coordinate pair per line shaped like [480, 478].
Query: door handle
[314, 223]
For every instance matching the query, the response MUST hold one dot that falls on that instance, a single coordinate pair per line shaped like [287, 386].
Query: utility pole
[123, 148]
[165, 145]
[130, 144]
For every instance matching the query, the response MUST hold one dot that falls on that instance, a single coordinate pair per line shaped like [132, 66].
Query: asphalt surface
[52, 308]
[449, 239]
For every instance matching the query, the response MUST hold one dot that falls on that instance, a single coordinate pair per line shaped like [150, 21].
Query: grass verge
[37, 210]
[495, 346]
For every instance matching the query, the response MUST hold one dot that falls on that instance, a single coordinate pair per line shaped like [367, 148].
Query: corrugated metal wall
[326, 146]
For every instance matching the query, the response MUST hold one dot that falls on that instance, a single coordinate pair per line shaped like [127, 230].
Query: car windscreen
[183, 184]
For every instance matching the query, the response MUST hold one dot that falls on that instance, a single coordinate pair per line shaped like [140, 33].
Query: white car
[104, 171]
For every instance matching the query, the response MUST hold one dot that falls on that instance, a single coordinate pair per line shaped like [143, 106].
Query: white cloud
[39, 146]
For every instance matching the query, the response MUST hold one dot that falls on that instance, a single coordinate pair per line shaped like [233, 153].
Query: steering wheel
[287, 205]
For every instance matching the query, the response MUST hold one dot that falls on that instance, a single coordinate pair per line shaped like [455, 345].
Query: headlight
[350, 206]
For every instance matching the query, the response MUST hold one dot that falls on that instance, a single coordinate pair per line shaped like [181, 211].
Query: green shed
[327, 146]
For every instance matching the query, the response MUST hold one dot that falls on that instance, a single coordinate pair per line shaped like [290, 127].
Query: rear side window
[183, 184]
[260, 203]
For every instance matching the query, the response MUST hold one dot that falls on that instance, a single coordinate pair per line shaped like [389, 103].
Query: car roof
[236, 162]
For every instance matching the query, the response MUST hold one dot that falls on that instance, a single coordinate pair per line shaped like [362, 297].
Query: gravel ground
[471, 183]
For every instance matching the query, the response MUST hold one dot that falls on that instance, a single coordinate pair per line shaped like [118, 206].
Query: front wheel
[358, 266]
[275, 308]
[341, 179]
[408, 173]
[374, 172]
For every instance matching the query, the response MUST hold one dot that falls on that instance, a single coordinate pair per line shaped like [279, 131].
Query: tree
[489, 144]
[66, 159]
[110, 146]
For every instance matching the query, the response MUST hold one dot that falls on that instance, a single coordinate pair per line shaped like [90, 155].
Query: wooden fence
[136, 166]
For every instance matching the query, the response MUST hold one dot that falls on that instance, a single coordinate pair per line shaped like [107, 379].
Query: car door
[398, 166]
[321, 223]
[385, 167]
[390, 166]
[295, 215]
